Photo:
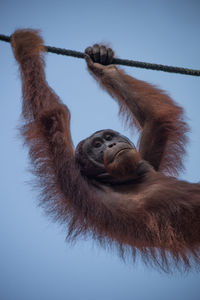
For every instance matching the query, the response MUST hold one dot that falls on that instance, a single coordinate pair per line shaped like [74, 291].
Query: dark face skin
[110, 157]
[105, 141]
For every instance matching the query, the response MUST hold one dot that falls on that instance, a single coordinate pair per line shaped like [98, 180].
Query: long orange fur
[163, 224]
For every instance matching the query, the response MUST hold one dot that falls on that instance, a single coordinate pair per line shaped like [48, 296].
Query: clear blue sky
[35, 261]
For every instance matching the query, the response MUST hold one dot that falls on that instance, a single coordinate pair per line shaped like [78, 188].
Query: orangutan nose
[111, 145]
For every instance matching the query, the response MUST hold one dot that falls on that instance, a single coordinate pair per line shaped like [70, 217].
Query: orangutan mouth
[121, 151]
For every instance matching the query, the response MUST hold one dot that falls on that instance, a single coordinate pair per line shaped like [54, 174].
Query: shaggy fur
[156, 216]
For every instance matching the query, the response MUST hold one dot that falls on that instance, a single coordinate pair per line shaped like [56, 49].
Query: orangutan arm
[153, 111]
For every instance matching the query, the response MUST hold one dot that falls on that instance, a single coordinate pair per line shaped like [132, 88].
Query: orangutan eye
[108, 137]
[97, 144]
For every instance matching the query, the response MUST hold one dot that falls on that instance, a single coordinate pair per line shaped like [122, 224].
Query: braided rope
[118, 61]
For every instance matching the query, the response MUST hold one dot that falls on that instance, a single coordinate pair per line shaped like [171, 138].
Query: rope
[118, 61]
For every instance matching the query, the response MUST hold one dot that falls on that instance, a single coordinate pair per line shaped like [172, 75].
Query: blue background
[35, 260]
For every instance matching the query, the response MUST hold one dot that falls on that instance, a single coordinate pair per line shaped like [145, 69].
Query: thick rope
[118, 61]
